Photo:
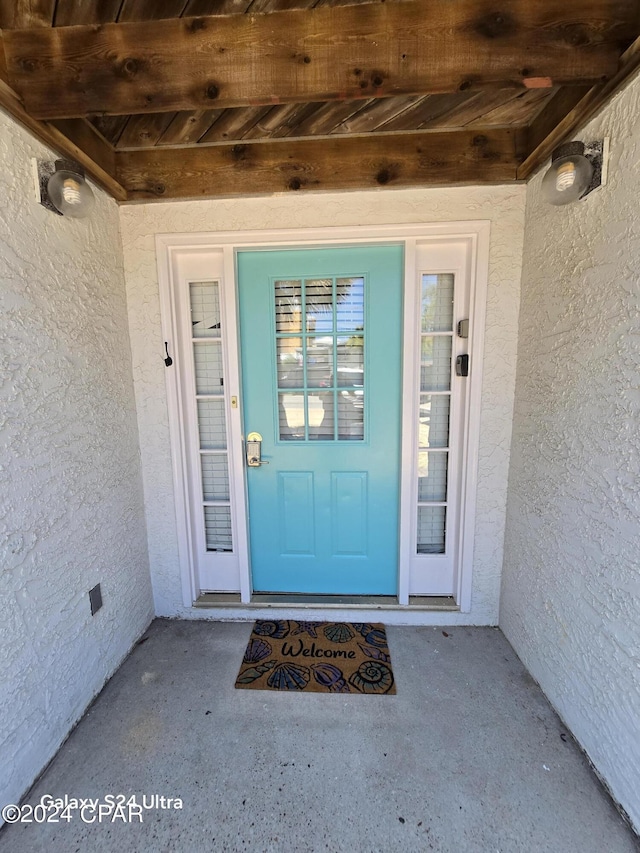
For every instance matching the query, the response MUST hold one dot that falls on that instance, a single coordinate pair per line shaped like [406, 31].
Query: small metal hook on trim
[168, 360]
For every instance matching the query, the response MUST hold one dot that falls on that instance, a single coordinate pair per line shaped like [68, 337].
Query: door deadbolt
[254, 450]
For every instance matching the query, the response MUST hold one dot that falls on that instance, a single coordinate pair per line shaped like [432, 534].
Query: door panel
[320, 333]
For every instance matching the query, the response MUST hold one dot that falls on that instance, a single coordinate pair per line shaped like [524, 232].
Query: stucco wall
[71, 511]
[571, 588]
[504, 206]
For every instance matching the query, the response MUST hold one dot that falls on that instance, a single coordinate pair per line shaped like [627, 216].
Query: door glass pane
[215, 477]
[435, 363]
[211, 422]
[434, 420]
[431, 529]
[317, 361]
[437, 303]
[291, 417]
[351, 362]
[320, 362]
[205, 309]
[436, 347]
[321, 416]
[319, 304]
[207, 359]
[350, 416]
[432, 476]
[288, 295]
[290, 369]
[350, 304]
[217, 525]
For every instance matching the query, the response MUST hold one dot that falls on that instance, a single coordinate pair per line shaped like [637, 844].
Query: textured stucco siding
[504, 206]
[571, 587]
[71, 502]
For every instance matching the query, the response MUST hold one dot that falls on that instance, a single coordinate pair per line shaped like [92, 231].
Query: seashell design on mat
[331, 677]
[289, 676]
[257, 650]
[339, 632]
[276, 628]
[372, 636]
[372, 677]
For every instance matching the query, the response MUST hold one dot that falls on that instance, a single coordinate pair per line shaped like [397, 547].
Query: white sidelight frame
[212, 256]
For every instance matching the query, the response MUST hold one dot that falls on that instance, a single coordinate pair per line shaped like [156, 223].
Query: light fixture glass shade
[69, 192]
[569, 175]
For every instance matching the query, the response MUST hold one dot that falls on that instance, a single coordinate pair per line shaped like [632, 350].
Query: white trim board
[171, 249]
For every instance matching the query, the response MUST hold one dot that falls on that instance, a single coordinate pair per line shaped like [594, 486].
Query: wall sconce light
[61, 187]
[577, 168]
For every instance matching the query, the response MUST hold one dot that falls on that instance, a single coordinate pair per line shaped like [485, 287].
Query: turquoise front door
[320, 333]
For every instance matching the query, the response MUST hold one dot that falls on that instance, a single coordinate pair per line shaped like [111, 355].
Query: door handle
[254, 450]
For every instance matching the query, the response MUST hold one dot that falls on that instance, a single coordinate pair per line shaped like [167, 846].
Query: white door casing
[460, 249]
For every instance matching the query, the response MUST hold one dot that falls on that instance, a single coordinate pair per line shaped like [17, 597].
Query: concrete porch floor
[469, 756]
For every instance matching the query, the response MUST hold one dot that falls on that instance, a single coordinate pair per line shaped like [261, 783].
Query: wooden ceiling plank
[216, 7]
[21, 14]
[271, 121]
[472, 110]
[375, 114]
[338, 163]
[186, 128]
[328, 116]
[328, 53]
[299, 114]
[144, 131]
[110, 127]
[545, 135]
[150, 10]
[259, 6]
[342, 2]
[426, 111]
[70, 13]
[519, 110]
[280, 121]
[233, 124]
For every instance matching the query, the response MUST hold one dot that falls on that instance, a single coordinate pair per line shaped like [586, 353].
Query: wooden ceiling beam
[569, 110]
[343, 163]
[76, 139]
[323, 54]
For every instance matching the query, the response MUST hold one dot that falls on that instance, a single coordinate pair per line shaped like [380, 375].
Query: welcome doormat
[318, 657]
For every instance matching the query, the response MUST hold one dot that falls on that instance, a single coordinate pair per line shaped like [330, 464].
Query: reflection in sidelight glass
[205, 309]
[437, 303]
[215, 477]
[207, 358]
[217, 525]
[207, 343]
[212, 425]
[434, 420]
[431, 529]
[435, 363]
[436, 348]
[432, 476]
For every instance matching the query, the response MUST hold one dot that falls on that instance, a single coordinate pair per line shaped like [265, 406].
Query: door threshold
[260, 601]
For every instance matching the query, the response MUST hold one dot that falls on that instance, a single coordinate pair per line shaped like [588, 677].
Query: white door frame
[171, 249]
